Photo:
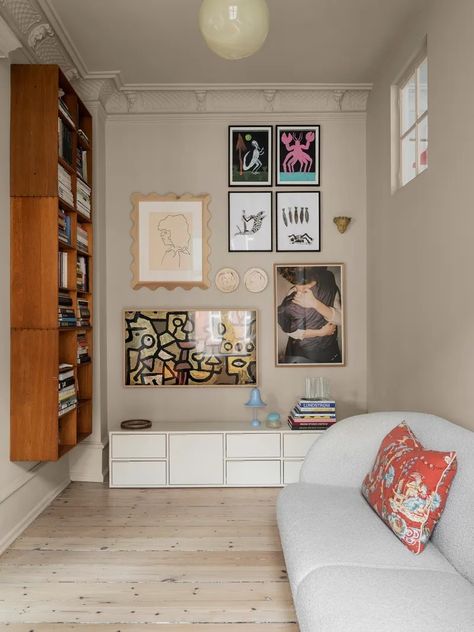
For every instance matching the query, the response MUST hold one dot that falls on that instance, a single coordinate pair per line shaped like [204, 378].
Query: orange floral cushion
[408, 486]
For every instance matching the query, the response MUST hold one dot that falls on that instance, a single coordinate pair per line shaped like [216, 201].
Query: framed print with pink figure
[297, 155]
[170, 237]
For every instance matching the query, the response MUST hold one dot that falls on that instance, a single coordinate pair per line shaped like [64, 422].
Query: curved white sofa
[348, 572]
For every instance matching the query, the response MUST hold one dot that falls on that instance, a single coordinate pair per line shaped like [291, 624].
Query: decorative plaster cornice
[46, 40]
[8, 40]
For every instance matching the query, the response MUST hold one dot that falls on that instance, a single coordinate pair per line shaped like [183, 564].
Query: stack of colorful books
[67, 389]
[313, 414]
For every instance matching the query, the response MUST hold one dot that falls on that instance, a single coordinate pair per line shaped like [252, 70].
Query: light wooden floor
[102, 560]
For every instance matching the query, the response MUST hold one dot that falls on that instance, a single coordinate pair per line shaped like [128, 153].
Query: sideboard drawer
[291, 471]
[298, 444]
[137, 473]
[253, 473]
[138, 446]
[253, 444]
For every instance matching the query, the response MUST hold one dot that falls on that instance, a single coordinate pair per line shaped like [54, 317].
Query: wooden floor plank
[103, 560]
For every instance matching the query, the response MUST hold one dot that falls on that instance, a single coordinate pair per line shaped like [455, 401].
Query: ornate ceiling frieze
[46, 41]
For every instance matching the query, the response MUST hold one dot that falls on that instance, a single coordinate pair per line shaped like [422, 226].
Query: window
[412, 98]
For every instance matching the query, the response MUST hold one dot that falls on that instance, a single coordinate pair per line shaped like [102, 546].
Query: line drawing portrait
[176, 236]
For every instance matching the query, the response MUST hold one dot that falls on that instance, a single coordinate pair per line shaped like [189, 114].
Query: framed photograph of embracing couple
[309, 315]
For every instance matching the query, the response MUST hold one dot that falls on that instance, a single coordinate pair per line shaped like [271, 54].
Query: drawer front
[196, 459]
[251, 445]
[137, 473]
[138, 446]
[298, 444]
[291, 471]
[253, 473]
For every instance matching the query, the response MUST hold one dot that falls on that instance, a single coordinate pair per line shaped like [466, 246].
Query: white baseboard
[17, 530]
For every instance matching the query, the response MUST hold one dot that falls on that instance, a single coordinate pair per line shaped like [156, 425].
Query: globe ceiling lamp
[234, 29]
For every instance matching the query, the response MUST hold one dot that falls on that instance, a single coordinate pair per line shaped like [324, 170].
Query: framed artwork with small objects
[297, 155]
[190, 347]
[250, 221]
[298, 221]
[250, 156]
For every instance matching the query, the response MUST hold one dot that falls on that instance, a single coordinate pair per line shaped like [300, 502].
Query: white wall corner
[89, 462]
[8, 40]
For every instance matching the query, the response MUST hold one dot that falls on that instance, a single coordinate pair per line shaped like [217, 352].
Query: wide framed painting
[297, 155]
[190, 347]
[309, 314]
[170, 241]
[298, 221]
[250, 221]
[250, 156]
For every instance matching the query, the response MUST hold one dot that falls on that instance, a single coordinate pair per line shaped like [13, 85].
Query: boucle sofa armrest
[346, 452]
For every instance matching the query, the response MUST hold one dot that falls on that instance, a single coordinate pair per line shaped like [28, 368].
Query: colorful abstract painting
[250, 156]
[190, 347]
[297, 159]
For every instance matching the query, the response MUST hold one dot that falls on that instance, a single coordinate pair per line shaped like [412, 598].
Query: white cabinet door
[253, 444]
[253, 473]
[298, 444]
[291, 471]
[137, 473]
[196, 459]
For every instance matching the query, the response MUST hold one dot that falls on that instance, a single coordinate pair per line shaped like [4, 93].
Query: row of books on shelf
[68, 317]
[65, 186]
[82, 238]
[82, 272]
[312, 414]
[81, 163]
[67, 396]
[83, 198]
[65, 139]
[82, 348]
[64, 223]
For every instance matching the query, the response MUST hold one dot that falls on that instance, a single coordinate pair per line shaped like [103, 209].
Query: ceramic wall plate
[227, 280]
[256, 280]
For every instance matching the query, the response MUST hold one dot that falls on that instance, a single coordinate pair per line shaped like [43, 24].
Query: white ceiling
[158, 41]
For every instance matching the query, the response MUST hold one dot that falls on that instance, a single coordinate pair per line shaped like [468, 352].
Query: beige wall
[421, 255]
[25, 488]
[188, 154]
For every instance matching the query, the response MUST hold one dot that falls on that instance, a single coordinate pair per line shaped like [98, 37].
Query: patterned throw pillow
[408, 486]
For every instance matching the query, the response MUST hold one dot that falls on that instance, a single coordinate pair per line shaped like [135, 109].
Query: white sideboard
[195, 454]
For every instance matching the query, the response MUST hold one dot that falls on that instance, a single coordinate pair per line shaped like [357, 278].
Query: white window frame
[398, 135]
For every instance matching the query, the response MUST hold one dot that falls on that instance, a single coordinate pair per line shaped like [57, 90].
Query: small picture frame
[297, 155]
[250, 156]
[298, 221]
[250, 226]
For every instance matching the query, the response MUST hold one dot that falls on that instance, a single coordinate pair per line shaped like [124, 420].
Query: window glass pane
[409, 157]
[407, 104]
[423, 144]
[423, 87]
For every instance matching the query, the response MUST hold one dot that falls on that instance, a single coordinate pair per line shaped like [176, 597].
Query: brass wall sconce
[342, 223]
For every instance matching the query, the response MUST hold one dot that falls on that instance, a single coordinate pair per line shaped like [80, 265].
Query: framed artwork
[190, 347]
[297, 155]
[250, 222]
[170, 241]
[250, 156]
[298, 220]
[309, 314]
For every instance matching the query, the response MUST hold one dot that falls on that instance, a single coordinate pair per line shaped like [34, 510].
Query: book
[64, 141]
[316, 403]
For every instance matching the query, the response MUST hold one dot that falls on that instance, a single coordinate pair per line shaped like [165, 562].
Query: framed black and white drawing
[250, 156]
[250, 221]
[298, 221]
[297, 155]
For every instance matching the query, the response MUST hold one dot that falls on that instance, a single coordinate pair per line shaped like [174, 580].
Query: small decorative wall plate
[227, 280]
[256, 280]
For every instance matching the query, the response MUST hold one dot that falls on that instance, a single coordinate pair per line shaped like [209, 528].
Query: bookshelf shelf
[51, 256]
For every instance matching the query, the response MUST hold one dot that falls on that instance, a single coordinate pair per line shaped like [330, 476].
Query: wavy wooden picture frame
[166, 230]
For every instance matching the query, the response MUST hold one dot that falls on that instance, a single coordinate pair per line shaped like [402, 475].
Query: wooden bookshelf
[44, 227]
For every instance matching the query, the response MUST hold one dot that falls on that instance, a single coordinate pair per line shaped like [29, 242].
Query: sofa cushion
[359, 599]
[408, 486]
[324, 525]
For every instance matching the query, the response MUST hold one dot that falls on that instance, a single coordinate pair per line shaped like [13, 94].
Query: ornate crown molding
[46, 40]
[8, 41]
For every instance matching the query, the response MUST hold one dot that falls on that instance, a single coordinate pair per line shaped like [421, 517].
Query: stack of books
[63, 108]
[82, 239]
[66, 315]
[82, 348]
[84, 314]
[65, 186]
[82, 275]
[83, 198]
[64, 222]
[312, 414]
[81, 133]
[64, 141]
[63, 269]
[81, 163]
[67, 389]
